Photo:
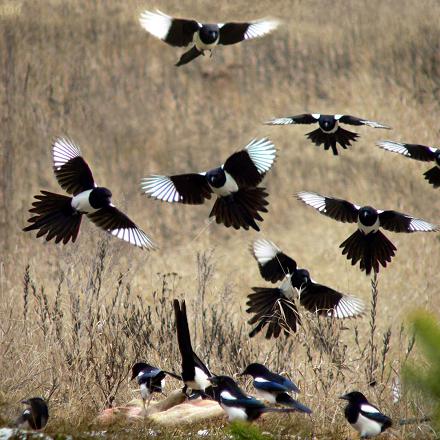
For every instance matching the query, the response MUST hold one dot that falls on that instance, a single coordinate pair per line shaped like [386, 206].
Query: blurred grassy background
[87, 69]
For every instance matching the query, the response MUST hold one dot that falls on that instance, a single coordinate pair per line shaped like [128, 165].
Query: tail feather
[188, 56]
[371, 250]
[329, 140]
[183, 338]
[55, 217]
[278, 410]
[285, 399]
[241, 209]
[433, 176]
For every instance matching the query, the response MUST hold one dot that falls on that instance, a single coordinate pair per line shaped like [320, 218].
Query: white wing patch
[348, 307]
[365, 407]
[264, 250]
[374, 124]
[260, 379]
[317, 115]
[156, 23]
[313, 199]
[160, 188]
[419, 225]
[63, 150]
[227, 395]
[280, 121]
[259, 28]
[262, 153]
[134, 236]
[394, 147]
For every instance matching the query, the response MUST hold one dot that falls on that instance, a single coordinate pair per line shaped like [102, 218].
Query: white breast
[200, 45]
[367, 427]
[367, 229]
[200, 381]
[144, 391]
[229, 187]
[234, 413]
[81, 203]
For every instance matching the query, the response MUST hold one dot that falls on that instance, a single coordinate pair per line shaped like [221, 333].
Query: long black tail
[285, 399]
[55, 217]
[278, 410]
[371, 250]
[240, 209]
[329, 140]
[433, 176]
[188, 56]
[273, 309]
[184, 340]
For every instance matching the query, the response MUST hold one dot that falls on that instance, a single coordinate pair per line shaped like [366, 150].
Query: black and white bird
[273, 387]
[237, 404]
[202, 37]
[363, 416]
[36, 414]
[195, 374]
[329, 132]
[367, 245]
[235, 183]
[58, 216]
[276, 307]
[418, 152]
[150, 379]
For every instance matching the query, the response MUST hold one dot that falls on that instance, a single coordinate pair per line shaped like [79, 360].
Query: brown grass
[87, 70]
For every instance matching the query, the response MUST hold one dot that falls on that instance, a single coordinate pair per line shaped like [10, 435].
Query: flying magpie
[329, 132]
[35, 416]
[150, 379]
[418, 152]
[203, 37]
[363, 416]
[367, 244]
[273, 387]
[235, 183]
[58, 216]
[195, 374]
[276, 307]
[237, 404]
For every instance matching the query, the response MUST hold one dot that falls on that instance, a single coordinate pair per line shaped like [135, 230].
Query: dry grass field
[74, 318]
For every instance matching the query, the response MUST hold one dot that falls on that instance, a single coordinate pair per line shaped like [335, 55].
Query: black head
[437, 157]
[137, 368]
[209, 33]
[367, 215]
[216, 177]
[100, 197]
[354, 397]
[222, 382]
[39, 412]
[255, 370]
[327, 122]
[302, 276]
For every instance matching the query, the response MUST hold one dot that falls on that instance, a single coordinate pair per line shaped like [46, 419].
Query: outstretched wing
[305, 118]
[337, 209]
[249, 165]
[231, 33]
[397, 222]
[71, 170]
[174, 31]
[191, 189]
[353, 120]
[118, 224]
[414, 151]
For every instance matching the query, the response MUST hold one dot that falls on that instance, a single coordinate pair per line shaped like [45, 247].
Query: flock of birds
[239, 202]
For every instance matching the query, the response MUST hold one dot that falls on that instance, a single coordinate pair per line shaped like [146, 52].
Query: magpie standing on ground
[182, 32]
[329, 132]
[418, 152]
[59, 216]
[276, 307]
[150, 379]
[363, 416]
[273, 387]
[367, 244]
[195, 374]
[237, 404]
[235, 183]
[35, 416]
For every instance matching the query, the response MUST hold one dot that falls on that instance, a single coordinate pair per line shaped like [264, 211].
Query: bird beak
[344, 397]
[25, 402]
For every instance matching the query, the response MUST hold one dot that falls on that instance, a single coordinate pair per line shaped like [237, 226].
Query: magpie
[276, 307]
[418, 152]
[363, 416]
[35, 416]
[273, 387]
[237, 404]
[58, 216]
[195, 374]
[235, 183]
[329, 132]
[203, 37]
[150, 379]
[367, 244]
